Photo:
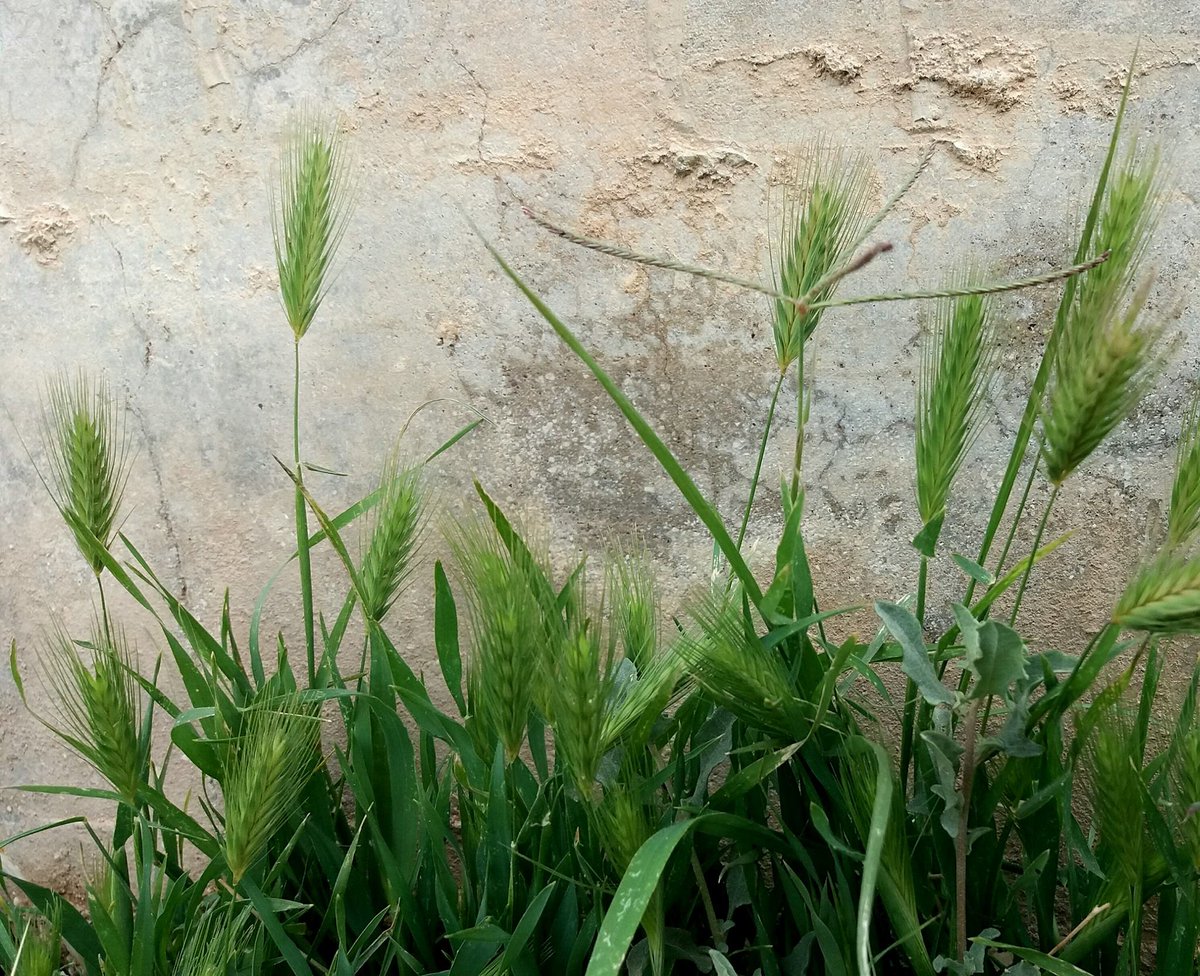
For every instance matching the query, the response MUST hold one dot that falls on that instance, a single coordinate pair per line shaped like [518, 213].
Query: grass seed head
[1105, 358]
[395, 535]
[278, 750]
[88, 447]
[956, 371]
[509, 639]
[97, 702]
[737, 672]
[822, 209]
[1183, 518]
[309, 216]
[1163, 597]
[1117, 800]
[39, 948]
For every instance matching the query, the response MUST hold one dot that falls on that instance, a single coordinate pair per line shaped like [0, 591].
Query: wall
[136, 143]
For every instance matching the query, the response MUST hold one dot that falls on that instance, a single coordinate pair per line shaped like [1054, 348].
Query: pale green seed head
[310, 215]
[87, 444]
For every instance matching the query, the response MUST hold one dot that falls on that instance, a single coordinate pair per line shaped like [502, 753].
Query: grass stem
[304, 559]
[1037, 541]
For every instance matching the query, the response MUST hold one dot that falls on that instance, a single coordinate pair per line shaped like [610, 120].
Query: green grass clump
[594, 786]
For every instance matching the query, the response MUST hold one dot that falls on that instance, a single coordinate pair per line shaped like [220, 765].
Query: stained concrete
[136, 143]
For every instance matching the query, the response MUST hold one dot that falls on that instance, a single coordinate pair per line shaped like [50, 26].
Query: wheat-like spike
[510, 638]
[632, 597]
[956, 372]
[1183, 518]
[1104, 364]
[309, 216]
[88, 447]
[581, 692]
[630, 716]
[278, 750]
[1117, 799]
[397, 521]
[1163, 598]
[39, 947]
[97, 704]
[215, 941]
[737, 672]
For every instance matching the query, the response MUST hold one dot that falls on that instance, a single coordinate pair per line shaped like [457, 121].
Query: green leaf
[445, 636]
[695, 499]
[1049, 964]
[876, 835]
[973, 569]
[945, 753]
[526, 928]
[925, 541]
[633, 896]
[907, 631]
[994, 654]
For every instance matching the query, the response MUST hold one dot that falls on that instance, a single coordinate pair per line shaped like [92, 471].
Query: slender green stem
[964, 824]
[710, 912]
[104, 610]
[798, 454]
[762, 450]
[306, 591]
[908, 732]
[1037, 541]
[1016, 522]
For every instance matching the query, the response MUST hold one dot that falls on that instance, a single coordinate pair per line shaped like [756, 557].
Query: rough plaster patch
[713, 166]
[829, 59]
[990, 71]
[981, 157]
[43, 232]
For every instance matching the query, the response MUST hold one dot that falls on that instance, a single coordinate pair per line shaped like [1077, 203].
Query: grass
[618, 790]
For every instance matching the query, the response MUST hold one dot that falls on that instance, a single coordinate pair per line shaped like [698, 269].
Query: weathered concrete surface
[136, 140]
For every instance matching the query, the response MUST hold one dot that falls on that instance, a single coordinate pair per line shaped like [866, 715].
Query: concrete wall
[136, 140]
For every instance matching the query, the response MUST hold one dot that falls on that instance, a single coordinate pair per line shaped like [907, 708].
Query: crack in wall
[164, 507]
[483, 116]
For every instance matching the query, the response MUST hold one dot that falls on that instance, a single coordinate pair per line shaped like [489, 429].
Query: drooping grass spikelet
[822, 210]
[1105, 364]
[277, 751]
[309, 215]
[39, 948]
[396, 526]
[509, 640]
[1163, 597]
[1183, 518]
[631, 714]
[97, 702]
[737, 672]
[84, 433]
[1105, 358]
[956, 371]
